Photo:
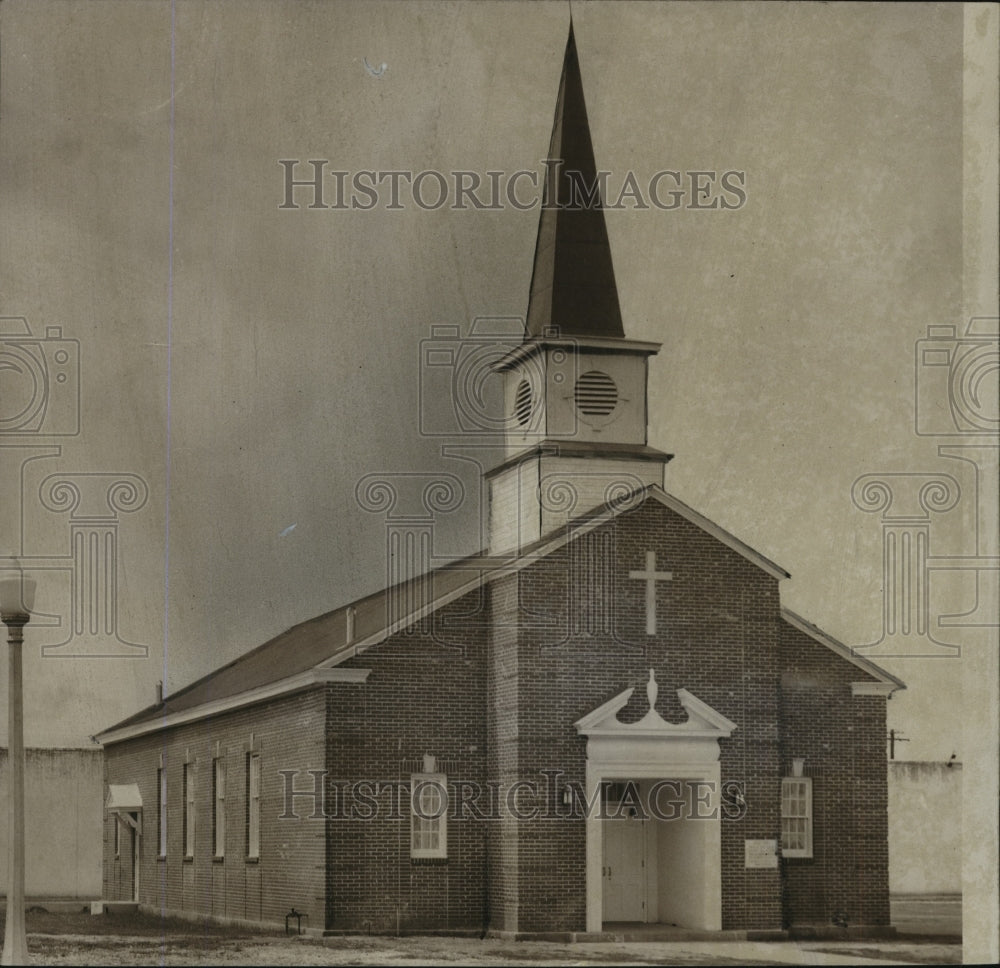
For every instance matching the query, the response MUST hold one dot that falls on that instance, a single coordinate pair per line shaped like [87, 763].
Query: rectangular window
[161, 811]
[219, 820]
[253, 805]
[796, 817]
[428, 815]
[118, 836]
[189, 812]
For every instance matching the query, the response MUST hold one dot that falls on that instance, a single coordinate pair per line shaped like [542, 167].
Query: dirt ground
[82, 939]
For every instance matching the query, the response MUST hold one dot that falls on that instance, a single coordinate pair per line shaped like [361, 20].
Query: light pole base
[15, 943]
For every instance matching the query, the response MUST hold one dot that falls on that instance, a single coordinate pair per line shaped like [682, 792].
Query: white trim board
[283, 687]
[845, 652]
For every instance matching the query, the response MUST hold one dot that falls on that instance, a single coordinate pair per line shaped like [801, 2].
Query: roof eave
[595, 344]
[845, 652]
[717, 531]
[215, 707]
[575, 448]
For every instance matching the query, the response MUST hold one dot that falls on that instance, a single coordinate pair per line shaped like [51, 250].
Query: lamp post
[17, 597]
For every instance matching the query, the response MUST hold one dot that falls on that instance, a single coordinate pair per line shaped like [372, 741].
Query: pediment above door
[703, 721]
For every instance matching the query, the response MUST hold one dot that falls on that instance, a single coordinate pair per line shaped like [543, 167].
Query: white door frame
[124, 802]
[710, 881]
[136, 854]
[131, 820]
[653, 749]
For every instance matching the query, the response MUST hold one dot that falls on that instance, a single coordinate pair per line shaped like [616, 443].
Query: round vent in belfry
[522, 403]
[596, 394]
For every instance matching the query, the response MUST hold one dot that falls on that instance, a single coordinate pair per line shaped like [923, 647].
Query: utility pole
[895, 737]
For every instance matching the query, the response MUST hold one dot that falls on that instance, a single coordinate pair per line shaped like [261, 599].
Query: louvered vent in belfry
[596, 394]
[522, 403]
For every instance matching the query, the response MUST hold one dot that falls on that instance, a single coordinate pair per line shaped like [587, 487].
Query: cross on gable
[651, 576]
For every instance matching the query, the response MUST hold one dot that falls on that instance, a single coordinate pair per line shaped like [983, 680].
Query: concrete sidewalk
[808, 953]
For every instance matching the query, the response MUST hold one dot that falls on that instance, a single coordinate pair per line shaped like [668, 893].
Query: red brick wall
[425, 694]
[491, 687]
[843, 740]
[288, 733]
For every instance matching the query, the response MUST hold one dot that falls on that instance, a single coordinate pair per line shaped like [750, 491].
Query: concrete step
[114, 907]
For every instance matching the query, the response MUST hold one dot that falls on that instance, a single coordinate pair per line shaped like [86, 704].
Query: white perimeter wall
[63, 808]
[925, 827]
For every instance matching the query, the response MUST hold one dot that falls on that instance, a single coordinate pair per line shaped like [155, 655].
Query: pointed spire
[573, 281]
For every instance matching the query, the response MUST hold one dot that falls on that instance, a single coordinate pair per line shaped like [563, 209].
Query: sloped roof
[305, 646]
[123, 796]
[299, 656]
[844, 651]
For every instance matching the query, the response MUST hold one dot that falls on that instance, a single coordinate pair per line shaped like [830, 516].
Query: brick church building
[606, 718]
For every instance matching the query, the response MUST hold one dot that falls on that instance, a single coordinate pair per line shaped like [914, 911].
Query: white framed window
[161, 811]
[219, 816]
[428, 815]
[189, 809]
[253, 805]
[796, 817]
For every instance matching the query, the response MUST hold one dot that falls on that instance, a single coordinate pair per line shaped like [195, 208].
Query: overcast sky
[242, 366]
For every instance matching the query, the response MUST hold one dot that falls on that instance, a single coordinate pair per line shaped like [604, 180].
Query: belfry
[576, 388]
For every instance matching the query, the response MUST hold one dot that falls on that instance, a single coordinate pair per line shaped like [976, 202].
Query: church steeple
[573, 291]
[575, 389]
